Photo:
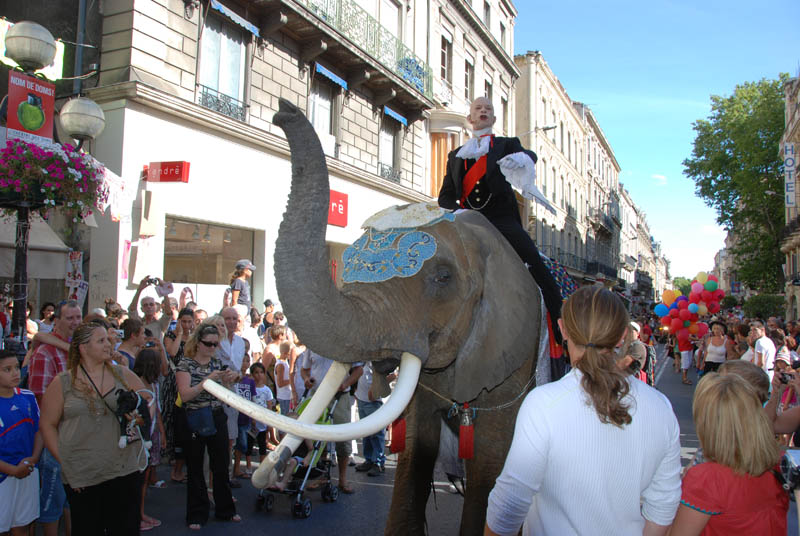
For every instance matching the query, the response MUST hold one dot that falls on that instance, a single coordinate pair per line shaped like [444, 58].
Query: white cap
[635, 326]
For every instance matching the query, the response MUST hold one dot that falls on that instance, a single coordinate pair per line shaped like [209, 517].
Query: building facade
[790, 244]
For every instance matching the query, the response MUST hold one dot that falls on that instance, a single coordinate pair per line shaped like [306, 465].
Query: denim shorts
[241, 439]
[52, 496]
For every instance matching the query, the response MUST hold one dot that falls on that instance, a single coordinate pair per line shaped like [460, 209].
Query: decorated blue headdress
[393, 245]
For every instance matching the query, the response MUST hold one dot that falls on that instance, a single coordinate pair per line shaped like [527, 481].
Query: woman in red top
[734, 491]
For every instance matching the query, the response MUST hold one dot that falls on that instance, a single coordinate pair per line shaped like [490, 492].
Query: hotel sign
[790, 174]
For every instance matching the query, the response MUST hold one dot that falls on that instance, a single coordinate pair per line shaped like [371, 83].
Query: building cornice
[182, 109]
[486, 36]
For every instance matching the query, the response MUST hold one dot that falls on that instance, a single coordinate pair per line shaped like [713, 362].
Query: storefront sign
[337, 209]
[167, 172]
[31, 104]
[789, 171]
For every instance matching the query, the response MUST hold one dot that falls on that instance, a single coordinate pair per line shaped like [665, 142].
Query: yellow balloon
[668, 297]
[677, 292]
[702, 309]
[702, 277]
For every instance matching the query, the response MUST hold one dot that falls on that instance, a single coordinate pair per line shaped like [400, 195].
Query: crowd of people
[120, 393]
[90, 458]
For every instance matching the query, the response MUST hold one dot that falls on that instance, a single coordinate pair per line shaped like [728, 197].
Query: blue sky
[647, 70]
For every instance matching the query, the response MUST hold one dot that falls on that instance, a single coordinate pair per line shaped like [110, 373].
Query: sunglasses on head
[209, 344]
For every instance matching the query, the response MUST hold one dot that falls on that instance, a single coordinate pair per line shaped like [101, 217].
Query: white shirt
[256, 342]
[568, 473]
[748, 355]
[263, 398]
[364, 383]
[231, 353]
[766, 348]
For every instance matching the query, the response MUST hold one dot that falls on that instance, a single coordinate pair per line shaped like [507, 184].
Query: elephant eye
[442, 277]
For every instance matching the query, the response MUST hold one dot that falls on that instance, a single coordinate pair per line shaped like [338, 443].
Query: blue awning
[241, 21]
[330, 76]
[396, 116]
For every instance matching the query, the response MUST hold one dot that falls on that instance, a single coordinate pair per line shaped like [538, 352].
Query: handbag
[201, 421]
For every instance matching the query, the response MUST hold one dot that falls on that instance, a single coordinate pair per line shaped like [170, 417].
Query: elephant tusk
[267, 472]
[410, 366]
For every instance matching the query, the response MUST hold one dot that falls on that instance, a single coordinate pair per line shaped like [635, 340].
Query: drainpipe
[77, 84]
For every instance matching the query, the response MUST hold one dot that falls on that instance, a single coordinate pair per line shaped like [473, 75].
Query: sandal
[687, 382]
[195, 526]
[347, 490]
[158, 485]
[236, 518]
[144, 525]
[153, 522]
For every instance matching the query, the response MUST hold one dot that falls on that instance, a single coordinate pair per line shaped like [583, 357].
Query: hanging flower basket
[42, 176]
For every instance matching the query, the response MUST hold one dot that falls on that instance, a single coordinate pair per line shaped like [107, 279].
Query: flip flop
[195, 526]
[347, 490]
[153, 522]
[687, 382]
[158, 485]
[144, 525]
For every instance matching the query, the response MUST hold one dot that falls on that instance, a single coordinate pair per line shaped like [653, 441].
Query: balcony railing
[594, 267]
[572, 212]
[568, 260]
[389, 173]
[352, 21]
[224, 104]
[601, 218]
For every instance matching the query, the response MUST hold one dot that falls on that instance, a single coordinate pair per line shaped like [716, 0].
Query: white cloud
[661, 180]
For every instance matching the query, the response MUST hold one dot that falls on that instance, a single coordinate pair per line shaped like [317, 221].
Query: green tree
[728, 302]
[737, 171]
[684, 284]
[764, 306]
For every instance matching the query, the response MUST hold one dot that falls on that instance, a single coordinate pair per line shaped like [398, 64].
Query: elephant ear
[505, 322]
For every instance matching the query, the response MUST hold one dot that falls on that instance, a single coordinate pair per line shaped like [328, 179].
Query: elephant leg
[412, 484]
[492, 441]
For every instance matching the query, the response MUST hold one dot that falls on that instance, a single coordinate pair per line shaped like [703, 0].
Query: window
[561, 132]
[504, 107]
[553, 132]
[562, 191]
[447, 60]
[569, 146]
[544, 178]
[441, 145]
[487, 14]
[487, 89]
[469, 80]
[544, 109]
[203, 253]
[553, 175]
[502, 36]
[390, 17]
[387, 150]
[222, 67]
[321, 105]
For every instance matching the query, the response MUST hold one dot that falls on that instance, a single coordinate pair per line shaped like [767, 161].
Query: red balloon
[694, 297]
[666, 320]
[695, 317]
[675, 325]
[713, 307]
[721, 293]
[706, 296]
[685, 314]
[682, 305]
[673, 313]
[713, 278]
[703, 329]
[683, 334]
[717, 295]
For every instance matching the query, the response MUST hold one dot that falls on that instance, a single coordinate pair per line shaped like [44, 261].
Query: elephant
[443, 292]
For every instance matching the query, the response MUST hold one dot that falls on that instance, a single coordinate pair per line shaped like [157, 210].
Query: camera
[790, 469]
[785, 377]
[153, 281]
[149, 344]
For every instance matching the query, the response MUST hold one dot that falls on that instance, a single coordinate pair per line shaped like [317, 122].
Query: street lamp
[32, 47]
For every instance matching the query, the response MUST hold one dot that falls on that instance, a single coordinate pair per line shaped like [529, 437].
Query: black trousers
[197, 503]
[511, 228]
[108, 508]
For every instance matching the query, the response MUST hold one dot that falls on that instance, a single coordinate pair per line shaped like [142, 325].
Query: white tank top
[285, 392]
[715, 354]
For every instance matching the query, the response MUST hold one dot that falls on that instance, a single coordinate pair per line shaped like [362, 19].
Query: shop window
[203, 253]
[321, 106]
[221, 77]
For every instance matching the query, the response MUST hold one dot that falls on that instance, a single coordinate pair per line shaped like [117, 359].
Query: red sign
[337, 209]
[167, 172]
[31, 104]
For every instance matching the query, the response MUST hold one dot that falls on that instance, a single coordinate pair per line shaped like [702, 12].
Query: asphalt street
[366, 510]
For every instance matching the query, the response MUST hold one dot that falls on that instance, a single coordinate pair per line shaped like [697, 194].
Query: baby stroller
[319, 468]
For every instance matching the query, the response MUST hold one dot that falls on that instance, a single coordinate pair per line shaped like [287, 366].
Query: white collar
[481, 132]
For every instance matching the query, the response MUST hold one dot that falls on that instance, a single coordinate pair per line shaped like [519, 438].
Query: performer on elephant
[480, 175]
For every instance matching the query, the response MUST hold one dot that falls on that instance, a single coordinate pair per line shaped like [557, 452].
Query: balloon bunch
[680, 314]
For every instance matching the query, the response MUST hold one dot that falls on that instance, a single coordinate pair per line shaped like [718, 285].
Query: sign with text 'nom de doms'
[31, 106]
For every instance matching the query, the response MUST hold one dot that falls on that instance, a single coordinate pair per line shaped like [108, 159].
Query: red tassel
[556, 350]
[398, 436]
[466, 435]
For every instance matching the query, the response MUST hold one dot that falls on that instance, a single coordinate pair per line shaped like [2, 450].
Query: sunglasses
[209, 344]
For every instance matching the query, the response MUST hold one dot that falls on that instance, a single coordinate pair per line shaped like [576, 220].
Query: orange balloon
[668, 297]
[693, 329]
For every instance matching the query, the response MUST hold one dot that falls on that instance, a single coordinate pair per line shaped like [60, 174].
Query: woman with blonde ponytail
[80, 428]
[596, 452]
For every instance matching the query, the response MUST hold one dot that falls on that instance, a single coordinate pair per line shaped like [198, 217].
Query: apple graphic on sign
[30, 113]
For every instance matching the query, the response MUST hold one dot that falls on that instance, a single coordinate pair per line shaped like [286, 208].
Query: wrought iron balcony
[352, 21]
[389, 173]
[601, 220]
[568, 260]
[594, 267]
[572, 212]
[224, 104]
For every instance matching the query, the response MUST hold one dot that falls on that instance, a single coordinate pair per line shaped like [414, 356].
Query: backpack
[650, 365]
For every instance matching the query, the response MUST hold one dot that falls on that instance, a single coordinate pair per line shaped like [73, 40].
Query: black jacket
[494, 180]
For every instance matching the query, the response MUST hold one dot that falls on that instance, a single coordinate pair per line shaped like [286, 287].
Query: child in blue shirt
[20, 447]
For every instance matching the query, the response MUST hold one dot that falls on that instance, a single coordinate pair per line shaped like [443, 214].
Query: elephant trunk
[334, 325]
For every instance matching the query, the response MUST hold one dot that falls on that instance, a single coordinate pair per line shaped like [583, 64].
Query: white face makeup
[481, 114]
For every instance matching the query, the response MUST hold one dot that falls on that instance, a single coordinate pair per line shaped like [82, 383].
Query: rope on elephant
[476, 409]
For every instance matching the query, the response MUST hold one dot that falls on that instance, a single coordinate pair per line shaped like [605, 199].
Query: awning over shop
[327, 73]
[47, 254]
[241, 21]
[396, 116]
